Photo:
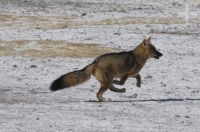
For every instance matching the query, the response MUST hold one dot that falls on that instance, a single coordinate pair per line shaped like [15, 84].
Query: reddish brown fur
[109, 66]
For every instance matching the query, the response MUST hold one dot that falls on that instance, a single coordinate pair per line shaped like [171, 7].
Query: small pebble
[33, 66]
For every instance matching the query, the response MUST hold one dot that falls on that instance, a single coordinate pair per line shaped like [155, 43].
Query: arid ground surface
[41, 40]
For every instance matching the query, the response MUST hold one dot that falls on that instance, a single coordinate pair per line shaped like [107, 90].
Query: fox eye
[153, 48]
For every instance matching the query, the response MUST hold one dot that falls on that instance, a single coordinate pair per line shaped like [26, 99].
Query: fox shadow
[153, 100]
[167, 100]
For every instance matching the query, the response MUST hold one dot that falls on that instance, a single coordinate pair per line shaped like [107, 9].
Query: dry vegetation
[48, 48]
[37, 22]
[60, 22]
[143, 20]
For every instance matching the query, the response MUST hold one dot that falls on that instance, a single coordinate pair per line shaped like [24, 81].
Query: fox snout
[157, 55]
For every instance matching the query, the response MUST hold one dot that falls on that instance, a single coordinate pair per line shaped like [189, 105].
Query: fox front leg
[122, 80]
[138, 78]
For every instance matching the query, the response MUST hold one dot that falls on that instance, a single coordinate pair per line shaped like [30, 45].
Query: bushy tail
[72, 78]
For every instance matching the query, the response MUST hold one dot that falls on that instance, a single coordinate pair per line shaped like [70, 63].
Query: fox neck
[140, 56]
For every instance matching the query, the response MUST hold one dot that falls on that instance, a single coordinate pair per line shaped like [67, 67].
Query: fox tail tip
[53, 88]
[56, 85]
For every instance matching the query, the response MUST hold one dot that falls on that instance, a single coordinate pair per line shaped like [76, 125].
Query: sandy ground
[41, 40]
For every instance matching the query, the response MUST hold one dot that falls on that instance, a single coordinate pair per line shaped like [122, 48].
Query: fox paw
[123, 90]
[117, 82]
[105, 100]
[138, 84]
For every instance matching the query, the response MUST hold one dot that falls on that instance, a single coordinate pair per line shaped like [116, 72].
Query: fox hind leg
[100, 97]
[113, 88]
[104, 87]
[103, 78]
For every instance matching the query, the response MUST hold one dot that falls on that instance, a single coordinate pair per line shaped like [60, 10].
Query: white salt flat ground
[168, 101]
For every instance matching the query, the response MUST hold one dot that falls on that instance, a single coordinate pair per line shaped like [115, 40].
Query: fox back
[109, 66]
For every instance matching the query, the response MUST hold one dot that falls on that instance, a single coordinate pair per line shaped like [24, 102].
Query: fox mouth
[157, 56]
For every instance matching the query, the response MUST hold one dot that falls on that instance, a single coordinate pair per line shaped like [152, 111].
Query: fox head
[148, 50]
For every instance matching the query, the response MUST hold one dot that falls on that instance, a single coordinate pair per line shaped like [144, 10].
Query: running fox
[109, 66]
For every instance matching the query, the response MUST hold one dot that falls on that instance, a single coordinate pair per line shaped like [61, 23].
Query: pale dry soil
[42, 40]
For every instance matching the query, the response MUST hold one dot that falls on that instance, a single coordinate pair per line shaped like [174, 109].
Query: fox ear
[145, 43]
[148, 39]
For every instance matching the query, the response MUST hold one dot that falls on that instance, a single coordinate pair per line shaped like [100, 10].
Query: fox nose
[160, 54]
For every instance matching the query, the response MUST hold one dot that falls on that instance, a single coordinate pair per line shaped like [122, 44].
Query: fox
[106, 68]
